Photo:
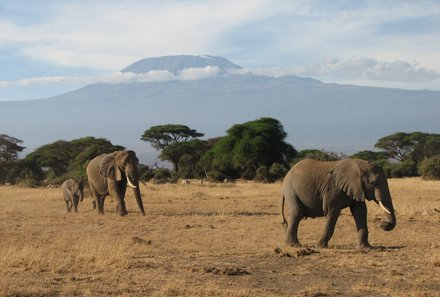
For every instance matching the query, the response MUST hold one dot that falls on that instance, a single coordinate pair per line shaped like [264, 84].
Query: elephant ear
[347, 178]
[69, 185]
[109, 168]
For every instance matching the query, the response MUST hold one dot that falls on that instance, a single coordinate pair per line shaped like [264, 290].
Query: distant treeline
[255, 150]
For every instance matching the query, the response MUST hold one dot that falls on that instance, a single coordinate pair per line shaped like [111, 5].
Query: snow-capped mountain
[174, 64]
[340, 118]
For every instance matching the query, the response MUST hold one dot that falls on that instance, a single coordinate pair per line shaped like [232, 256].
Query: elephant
[73, 192]
[314, 188]
[109, 174]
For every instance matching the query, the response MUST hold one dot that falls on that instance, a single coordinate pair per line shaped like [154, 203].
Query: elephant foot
[123, 213]
[364, 247]
[321, 245]
[292, 242]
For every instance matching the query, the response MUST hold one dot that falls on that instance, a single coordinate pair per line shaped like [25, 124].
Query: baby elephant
[73, 192]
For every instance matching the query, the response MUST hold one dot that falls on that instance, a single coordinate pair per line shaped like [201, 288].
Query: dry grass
[212, 240]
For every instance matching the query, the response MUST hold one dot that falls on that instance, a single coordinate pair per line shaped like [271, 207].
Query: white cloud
[199, 73]
[372, 69]
[110, 36]
[355, 69]
[117, 77]
[294, 35]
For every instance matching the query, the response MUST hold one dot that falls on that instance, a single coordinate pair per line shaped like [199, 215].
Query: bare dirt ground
[212, 240]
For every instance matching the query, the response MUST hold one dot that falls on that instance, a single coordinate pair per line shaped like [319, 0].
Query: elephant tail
[284, 223]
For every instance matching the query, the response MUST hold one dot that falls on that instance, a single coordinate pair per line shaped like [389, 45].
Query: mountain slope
[334, 117]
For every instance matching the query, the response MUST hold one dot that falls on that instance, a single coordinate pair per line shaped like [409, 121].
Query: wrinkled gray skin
[318, 188]
[73, 192]
[109, 174]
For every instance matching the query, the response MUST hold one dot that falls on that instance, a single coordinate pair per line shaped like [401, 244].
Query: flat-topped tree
[9, 147]
[166, 139]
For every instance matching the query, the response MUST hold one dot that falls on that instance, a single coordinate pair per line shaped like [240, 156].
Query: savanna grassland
[212, 240]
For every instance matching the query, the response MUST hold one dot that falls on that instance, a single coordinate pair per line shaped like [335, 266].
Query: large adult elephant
[322, 188]
[109, 174]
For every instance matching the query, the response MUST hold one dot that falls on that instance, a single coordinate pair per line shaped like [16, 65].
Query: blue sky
[50, 47]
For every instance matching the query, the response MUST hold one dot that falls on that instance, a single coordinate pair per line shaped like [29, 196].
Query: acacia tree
[174, 141]
[410, 146]
[164, 135]
[369, 156]
[189, 151]
[9, 147]
[409, 149]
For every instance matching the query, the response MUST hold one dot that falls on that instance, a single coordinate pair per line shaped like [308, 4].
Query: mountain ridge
[341, 118]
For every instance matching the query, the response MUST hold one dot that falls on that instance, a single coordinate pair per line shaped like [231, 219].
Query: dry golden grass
[212, 240]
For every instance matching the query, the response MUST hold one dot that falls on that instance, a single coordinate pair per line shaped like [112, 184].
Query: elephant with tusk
[109, 174]
[323, 188]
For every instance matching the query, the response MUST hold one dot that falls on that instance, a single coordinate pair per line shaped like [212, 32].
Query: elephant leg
[68, 206]
[99, 200]
[292, 230]
[359, 212]
[75, 204]
[120, 208]
[295, 217]
[331, 218]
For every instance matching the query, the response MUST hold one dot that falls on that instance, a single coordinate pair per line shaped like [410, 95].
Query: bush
[215, 175]
[21, 172]
[162, 173]
[277, 171]
[145, 173]
[248, 174]
[430, 168]
[261, 174]
[401, 169]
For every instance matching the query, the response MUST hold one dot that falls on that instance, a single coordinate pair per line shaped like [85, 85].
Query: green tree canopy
[175, 141]
[430, 168]
[410, 146]
[190, 150]
[164, 135]
[370, 156]
[9, 147]
[25, 172]
[71, 156]
[249, 146]
[316, 154]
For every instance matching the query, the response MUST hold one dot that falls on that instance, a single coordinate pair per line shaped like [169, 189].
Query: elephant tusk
[384, 208]
[130, 184]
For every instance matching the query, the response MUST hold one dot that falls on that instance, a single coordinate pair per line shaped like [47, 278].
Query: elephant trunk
[137, 194]
[383, 197]
[133, 182]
